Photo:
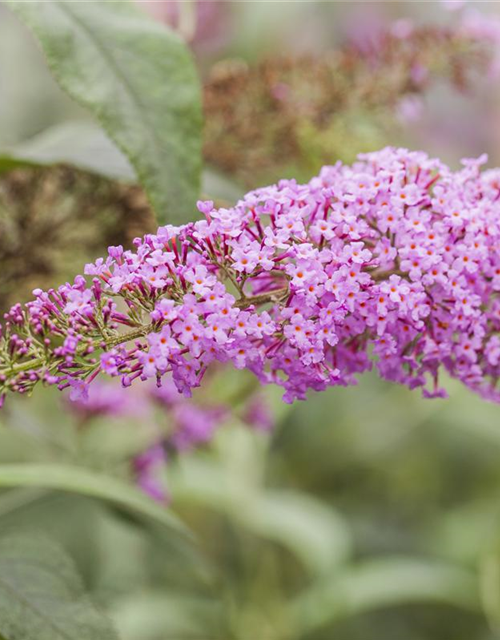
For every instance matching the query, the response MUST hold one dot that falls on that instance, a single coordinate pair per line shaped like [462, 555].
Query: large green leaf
[84, 145]
[385, 582]
[138, 79]
[85, 482]
[78, 144]
[42, 597]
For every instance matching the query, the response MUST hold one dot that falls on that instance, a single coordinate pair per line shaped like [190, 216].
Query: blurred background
[363, 513]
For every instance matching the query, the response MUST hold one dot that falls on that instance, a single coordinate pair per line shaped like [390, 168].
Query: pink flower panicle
[393, 261]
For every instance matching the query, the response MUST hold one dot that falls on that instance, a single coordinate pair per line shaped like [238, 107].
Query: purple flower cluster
[394, 261]
[191, 423]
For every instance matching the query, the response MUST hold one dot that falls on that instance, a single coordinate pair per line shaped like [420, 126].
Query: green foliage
[78, 144]
[385, 582]
[348, 546]
[312, 532]
[159, 614]
[138, 79]
[42, 597]
[86, 482]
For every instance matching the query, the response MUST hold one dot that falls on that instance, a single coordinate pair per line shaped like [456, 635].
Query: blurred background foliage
[365, 512]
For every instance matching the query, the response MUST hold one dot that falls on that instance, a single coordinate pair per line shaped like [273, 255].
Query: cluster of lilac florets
[393, 261]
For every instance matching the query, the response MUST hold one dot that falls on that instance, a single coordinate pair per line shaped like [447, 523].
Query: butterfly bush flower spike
[393, 262]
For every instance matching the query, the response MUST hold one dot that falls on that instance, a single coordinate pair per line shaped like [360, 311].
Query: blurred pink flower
[148, 467]
[402, 28]
[486, 27]
[203, 23]
[453, 5]
[258, 414]
[409, 109]
[108, 399]
[419, 73]
[366, 29]
[481, 26]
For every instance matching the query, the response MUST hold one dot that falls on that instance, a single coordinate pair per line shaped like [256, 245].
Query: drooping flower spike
[394, 261]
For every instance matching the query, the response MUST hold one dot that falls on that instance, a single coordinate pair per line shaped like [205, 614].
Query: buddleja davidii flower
[305, 285]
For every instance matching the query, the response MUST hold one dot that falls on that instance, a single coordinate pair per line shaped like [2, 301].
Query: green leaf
[138, 79]
[85, 482]
[216, 186]
[42, 597]
[156, 614]
[78, 144]
[489, 576]
[315, 534]
[386, 582]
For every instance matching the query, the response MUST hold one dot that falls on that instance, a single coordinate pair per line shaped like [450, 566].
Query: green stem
[271, 296]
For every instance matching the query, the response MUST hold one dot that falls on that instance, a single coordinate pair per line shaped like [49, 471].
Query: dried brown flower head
[54, 219]
[287, 117]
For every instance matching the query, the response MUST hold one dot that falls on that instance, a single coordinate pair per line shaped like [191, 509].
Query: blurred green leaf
[217, 186]
[115, 555]
[314, 533]
[138, 79]
[489, 571]
[156, 614]
[67, 519]
[309, 529]
[79, 144]
[85, 482]
[386, 582]
[42, 597]
[451, 535]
